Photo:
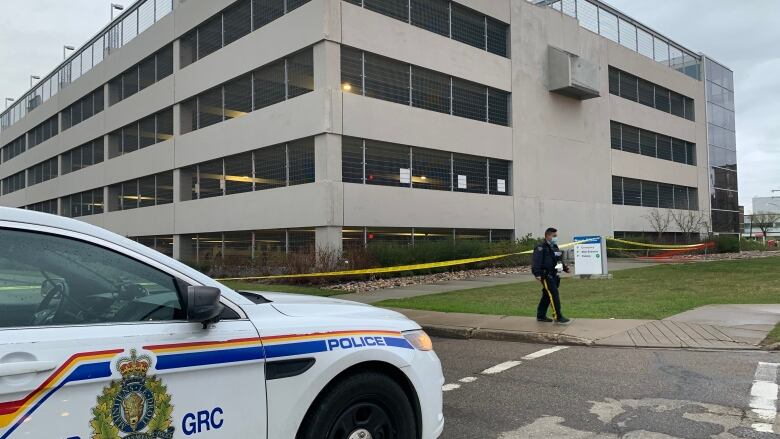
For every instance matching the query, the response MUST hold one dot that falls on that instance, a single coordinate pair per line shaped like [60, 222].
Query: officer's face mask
[554, 240]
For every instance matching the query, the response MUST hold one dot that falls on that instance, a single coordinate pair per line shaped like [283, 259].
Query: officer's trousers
[550, 284]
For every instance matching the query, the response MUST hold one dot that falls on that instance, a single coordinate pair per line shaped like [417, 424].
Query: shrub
[727, 244]
[751, 245]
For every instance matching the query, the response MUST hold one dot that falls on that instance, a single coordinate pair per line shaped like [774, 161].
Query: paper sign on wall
[461, 182]
[501, 185]
[406, 175]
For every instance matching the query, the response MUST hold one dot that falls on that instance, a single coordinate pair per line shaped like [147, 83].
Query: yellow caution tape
[395, 269]
[659, 246]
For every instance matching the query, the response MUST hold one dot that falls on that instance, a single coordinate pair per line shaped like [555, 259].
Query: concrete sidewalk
[710, 327]
[464, 284]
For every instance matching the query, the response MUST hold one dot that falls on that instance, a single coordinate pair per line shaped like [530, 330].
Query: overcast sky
[744, 35]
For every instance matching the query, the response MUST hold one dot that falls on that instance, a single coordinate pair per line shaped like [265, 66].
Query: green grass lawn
[641, 293]
[773, 337]
[279, 288]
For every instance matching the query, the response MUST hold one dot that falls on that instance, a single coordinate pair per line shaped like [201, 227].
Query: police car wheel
[367, 405]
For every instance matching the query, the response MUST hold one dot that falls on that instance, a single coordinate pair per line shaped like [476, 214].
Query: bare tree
[690, 222]
[659, 220]
[764, 221]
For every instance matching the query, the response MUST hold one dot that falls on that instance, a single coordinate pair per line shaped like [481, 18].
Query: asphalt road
[605, 393]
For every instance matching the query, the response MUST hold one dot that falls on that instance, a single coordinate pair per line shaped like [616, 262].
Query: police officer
[547, 264]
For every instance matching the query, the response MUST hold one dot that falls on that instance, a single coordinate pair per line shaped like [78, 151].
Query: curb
[772, 347]
[465, 333]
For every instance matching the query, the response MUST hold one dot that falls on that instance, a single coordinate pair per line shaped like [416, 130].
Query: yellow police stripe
[661, 246]
[552, 302]
[395, 269]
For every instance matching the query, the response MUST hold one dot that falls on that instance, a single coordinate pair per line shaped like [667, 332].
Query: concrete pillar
[328, 238]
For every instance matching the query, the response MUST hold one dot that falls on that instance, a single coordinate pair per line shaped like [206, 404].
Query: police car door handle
[25, 367]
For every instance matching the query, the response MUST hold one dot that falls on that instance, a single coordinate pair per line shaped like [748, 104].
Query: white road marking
[544, 352]
[763, 396]
[448, 387]
[498, 368]
[467, 379]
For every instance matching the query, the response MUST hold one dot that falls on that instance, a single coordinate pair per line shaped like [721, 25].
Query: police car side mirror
[203, 305]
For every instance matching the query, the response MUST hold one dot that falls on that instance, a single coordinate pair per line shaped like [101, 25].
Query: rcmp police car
[103, 338]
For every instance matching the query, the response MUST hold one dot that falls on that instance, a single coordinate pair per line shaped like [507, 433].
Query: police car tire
[369, 387]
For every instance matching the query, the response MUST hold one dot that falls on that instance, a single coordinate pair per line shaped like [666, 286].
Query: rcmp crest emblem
[136, 407]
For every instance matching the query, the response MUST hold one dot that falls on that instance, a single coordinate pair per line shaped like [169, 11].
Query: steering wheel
[43, 314]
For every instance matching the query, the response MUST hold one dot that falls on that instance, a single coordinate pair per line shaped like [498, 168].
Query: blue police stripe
[398, 343]
[298, 348]
[191, 359]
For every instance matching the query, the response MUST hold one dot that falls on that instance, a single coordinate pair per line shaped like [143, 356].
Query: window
[14, 183]
[446, 18]
[48, 206]
[152, 190]
[398, 9]
[633, 192]
[430, 90]
[83, 109]
[389, 164]
[468, 26]
[636, 89]
[273, 83]
[431, 15]
[238, 173]
[265, 168]
[237, 21]
[43, 132]
[469, 173]
[146, 132]
[351, 160]
[431, 169]
[142, 75]
[232, 24]
[43, 171]
[14, 148]
[390, 80]
[83, 203]
[104, 286]
[386, 79]
[648, 143]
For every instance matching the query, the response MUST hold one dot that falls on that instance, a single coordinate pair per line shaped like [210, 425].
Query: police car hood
[300, 305]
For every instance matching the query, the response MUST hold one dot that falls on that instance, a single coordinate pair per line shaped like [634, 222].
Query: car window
[53, 280]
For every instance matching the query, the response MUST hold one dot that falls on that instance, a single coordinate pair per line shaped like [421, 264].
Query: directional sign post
[590, 256]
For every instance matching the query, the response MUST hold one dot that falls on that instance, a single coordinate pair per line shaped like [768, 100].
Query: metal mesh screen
[647, 144]
[665, 196]
[210, 36]
[677, 102]
[678, 151]
[664, 144]
[469, 100]
[300, 73]
[497, 37]
[470, 174]
[238, 97]
[130, 138]
[210, 178]
[146, 191]
[237, 21]
[632, 192]
[499, 176]
[210, 107]
[468, 26]
[430, 90]
[147, 72]
[431, 15]
[300, 240]
[498, 107]
[129, 82]
[431, 169]
[387, 164]
[238, 173]
[386, 79]
[662, 100]
[351, 160]
[649, 194]
[295, 4]
[146, 132]
[630, 139]
[164, 187]
[266, 11]
[385, 236]
[269, 85]
[300, 156]
[617, 190]
[165, 125]
[398, 9]
[351, 70]
[628, 86]
[270, 167]
[165, 62]
[615, 135]
[646, 93]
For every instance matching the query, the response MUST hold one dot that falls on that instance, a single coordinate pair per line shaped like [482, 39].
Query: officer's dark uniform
[546, 256]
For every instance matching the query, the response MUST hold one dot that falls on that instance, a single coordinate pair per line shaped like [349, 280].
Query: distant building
[219, 128]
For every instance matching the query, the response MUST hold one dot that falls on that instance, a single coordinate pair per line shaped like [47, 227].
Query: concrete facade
[559, 147]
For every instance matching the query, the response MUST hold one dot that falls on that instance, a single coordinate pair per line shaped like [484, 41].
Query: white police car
[103, 338]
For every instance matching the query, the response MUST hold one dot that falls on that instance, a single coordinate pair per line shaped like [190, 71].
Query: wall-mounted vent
[572, 76]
